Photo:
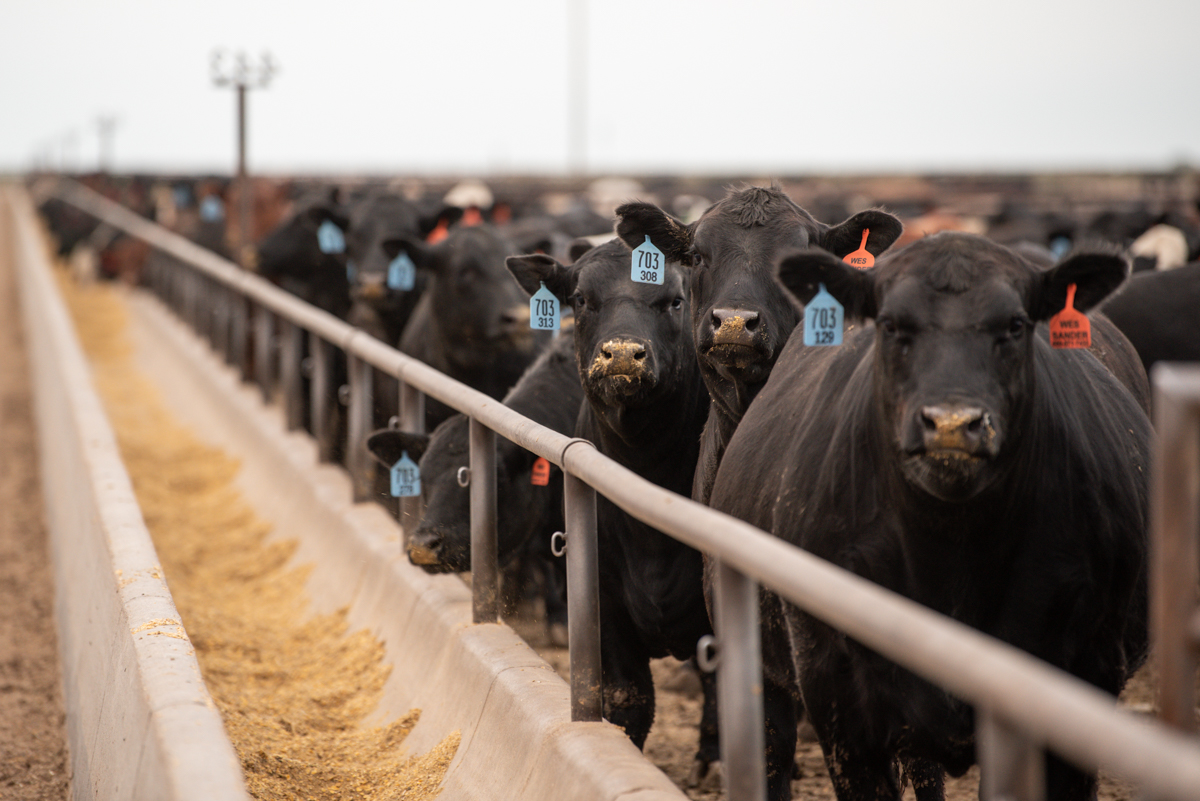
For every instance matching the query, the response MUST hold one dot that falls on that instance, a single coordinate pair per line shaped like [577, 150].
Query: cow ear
[418, 251]
[802, 271]
[1095, 276]
[430, 218]
[846, 237]
[321, 212]
[533, 271]
[387, 445]
[577, 248]
[636, 221]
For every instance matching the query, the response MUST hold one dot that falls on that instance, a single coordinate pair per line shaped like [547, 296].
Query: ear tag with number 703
[823, 318]
[402, 273]
[1070, 328]
[406, 478]
[649, 264]
[543, 310]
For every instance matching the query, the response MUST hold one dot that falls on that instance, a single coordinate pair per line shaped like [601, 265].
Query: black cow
[1160, 313]
[741, 317]
[947, 453]
[645, 407]
[291, 255]
[472, 322]
[549, 393]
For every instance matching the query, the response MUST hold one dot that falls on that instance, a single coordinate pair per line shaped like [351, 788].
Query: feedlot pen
[483, 674]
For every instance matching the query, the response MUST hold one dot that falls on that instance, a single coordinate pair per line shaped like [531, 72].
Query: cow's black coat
[645, 406]
[1160, 313]
[949, 454]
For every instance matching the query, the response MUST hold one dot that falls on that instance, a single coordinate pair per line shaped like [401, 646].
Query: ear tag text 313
[406, 478]
[861, 258]
[543, 310]
[823, 318]
[649, 264]
[540, 475]
[402, 273]
[330, 238]
[1070, 328]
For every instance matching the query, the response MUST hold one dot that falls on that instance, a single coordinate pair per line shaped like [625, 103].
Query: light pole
[242, 73]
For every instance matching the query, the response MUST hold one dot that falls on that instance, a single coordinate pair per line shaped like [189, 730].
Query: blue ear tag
[330, 238]
[212, 209]
[823, 318]
[350, 271]
[648, 263]
[543, 310]
[406, 478]
[402, 273]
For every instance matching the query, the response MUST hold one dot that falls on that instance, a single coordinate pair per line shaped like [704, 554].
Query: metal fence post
[583, 600]
[739, 685]
[290, 355]
[359, 462]
[412, 419]
[264, 330]
[322, 397]
[238, 335]
[1011, 767]
[485, 575]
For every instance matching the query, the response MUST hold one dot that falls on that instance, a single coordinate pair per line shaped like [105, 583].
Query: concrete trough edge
[140, 722]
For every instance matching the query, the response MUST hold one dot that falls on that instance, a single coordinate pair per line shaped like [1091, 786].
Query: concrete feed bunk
[140, 719]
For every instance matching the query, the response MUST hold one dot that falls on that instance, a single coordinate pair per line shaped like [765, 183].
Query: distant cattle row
[943, 450]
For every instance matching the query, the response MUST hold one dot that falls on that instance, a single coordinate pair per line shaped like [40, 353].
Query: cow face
[631, 339]
[955, 349]
[292, 248]
[376, 220]
[740, 318]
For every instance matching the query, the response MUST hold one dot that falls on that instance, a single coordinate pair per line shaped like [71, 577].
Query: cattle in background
[548, 393]
[1160, 247]
[741, 316]
[292, 257]
[472, 321]
[1160, 314]
[947, 453]
[644, 407]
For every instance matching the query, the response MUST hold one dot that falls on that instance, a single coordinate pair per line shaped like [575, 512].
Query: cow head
[955, 346]
[629, 337]
[740, 318]
[292, 249]
[377, 219]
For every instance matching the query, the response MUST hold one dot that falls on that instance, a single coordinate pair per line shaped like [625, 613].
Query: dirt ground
[33, 750]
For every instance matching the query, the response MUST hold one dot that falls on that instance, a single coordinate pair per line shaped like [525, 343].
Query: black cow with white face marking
[472, 322]
[947, 453]
[645, 406]
[741, 317]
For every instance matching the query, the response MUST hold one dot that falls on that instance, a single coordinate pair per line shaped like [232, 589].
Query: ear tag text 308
[402, 273]
[540, 475]
[543, 310]
[861, 258]
[823, 318]
[330, 238]
[406, 478]
[649, 264]
[1070, 328]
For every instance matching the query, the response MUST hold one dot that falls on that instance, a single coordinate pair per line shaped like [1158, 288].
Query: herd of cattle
[943, 449]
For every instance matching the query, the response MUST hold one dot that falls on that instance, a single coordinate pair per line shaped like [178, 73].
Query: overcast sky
[482, 86]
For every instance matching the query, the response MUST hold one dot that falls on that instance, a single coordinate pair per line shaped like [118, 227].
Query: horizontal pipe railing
[1012, 689]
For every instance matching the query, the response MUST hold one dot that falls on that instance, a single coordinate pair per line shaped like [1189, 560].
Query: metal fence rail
[1022, 704]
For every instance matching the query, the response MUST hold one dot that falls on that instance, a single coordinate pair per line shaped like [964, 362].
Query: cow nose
[622, 356]
[733, 326]
[424, 548]
[957, 428]
[369, 289]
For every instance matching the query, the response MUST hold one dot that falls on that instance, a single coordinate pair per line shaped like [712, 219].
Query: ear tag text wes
[406, 478]
[543, 310]
[861, 258]
[1070, 328]
[540, 477]
[823, 318]
[402, 273]
[648, 264]
[330, 238]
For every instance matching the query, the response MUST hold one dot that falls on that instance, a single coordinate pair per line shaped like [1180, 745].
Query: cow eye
[1016, 328]
[677, 304]
[887, 327]
[696, 259]
[578, 302]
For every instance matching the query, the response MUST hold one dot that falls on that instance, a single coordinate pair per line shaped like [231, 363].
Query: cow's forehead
[724, 222]
[955, 263]
[607, 274]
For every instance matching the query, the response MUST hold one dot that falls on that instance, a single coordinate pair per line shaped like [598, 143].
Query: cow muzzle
[425, 551]
[736, 344]
[622, 368]
[950, 450]
[957, 431]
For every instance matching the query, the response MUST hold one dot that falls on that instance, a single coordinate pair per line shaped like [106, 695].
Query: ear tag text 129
[1070, 328]
[649, 264]
[330, 238]
[406, 477]
[861, 258]
[823, 318]
[543, 310]
[402, 273]
[540, 476]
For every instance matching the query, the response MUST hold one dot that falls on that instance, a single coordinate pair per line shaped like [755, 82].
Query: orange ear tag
[471, 217]
[541, 472]
[1070, 328]
[861, 258]
[437, 234]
